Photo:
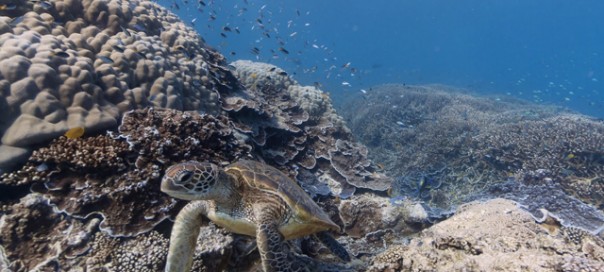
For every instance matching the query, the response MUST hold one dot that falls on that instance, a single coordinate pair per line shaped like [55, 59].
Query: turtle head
[193, 181]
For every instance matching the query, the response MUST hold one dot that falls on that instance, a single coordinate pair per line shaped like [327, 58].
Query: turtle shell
[269, 179]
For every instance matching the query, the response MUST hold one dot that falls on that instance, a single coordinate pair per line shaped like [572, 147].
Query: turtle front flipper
[274, 252]
[333, 245]
[184, 236]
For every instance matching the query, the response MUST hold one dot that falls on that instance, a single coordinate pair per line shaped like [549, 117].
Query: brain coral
[84, 63]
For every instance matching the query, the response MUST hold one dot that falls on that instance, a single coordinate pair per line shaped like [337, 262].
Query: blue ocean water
[549, 52]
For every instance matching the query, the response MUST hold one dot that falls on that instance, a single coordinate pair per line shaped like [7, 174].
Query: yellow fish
[74, 133]
[570, 156]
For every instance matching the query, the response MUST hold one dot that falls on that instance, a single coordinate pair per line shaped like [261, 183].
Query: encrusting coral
[296, 126]
[496, 235]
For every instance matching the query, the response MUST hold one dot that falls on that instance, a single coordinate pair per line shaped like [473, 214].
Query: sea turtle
[246, 197]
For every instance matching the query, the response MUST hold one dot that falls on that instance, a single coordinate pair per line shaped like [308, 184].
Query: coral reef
[113, 179]
[446, 147]
[66, 64]
[296, 126]
[496, 235]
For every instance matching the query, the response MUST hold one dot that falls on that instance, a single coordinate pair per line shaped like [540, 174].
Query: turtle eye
[185, 176]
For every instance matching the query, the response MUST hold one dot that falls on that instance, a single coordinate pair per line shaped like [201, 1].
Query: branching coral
[478, 141]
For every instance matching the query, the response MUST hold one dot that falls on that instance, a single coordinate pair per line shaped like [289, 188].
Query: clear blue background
[550, 52]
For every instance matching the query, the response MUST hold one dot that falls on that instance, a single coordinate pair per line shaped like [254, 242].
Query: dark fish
[283, 73]
[125, 30]
[223, 35]
[233, 53]
[237, 30]
[298, 12]
[266, 34]
[202, 3]
[259, 21]
[62, 54]
[106, 59]
[212, 17]
[273, 69]
[117, 48]
[226, 28]
[283, 50]
[255, 51]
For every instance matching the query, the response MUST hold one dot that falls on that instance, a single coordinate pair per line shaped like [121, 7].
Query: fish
[293, 34]
[233, 53]
[223, 35]
[105, 59]
[201, 3]
[364, 91]
[237, 30]
[255, 51]
[45, 5]
[16, 21]
[117, 48]
[283, 50]
[125, 30]
[75, 132]
[226, 29]
[8, 7]
[346, 83]
[283, 73]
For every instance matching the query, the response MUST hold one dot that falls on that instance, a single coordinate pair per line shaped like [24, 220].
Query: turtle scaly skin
[248, 198]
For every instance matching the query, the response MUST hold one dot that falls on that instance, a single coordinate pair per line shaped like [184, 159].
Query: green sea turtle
[249, 198]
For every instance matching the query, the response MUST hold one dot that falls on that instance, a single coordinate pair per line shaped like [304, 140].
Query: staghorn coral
[103, 59]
